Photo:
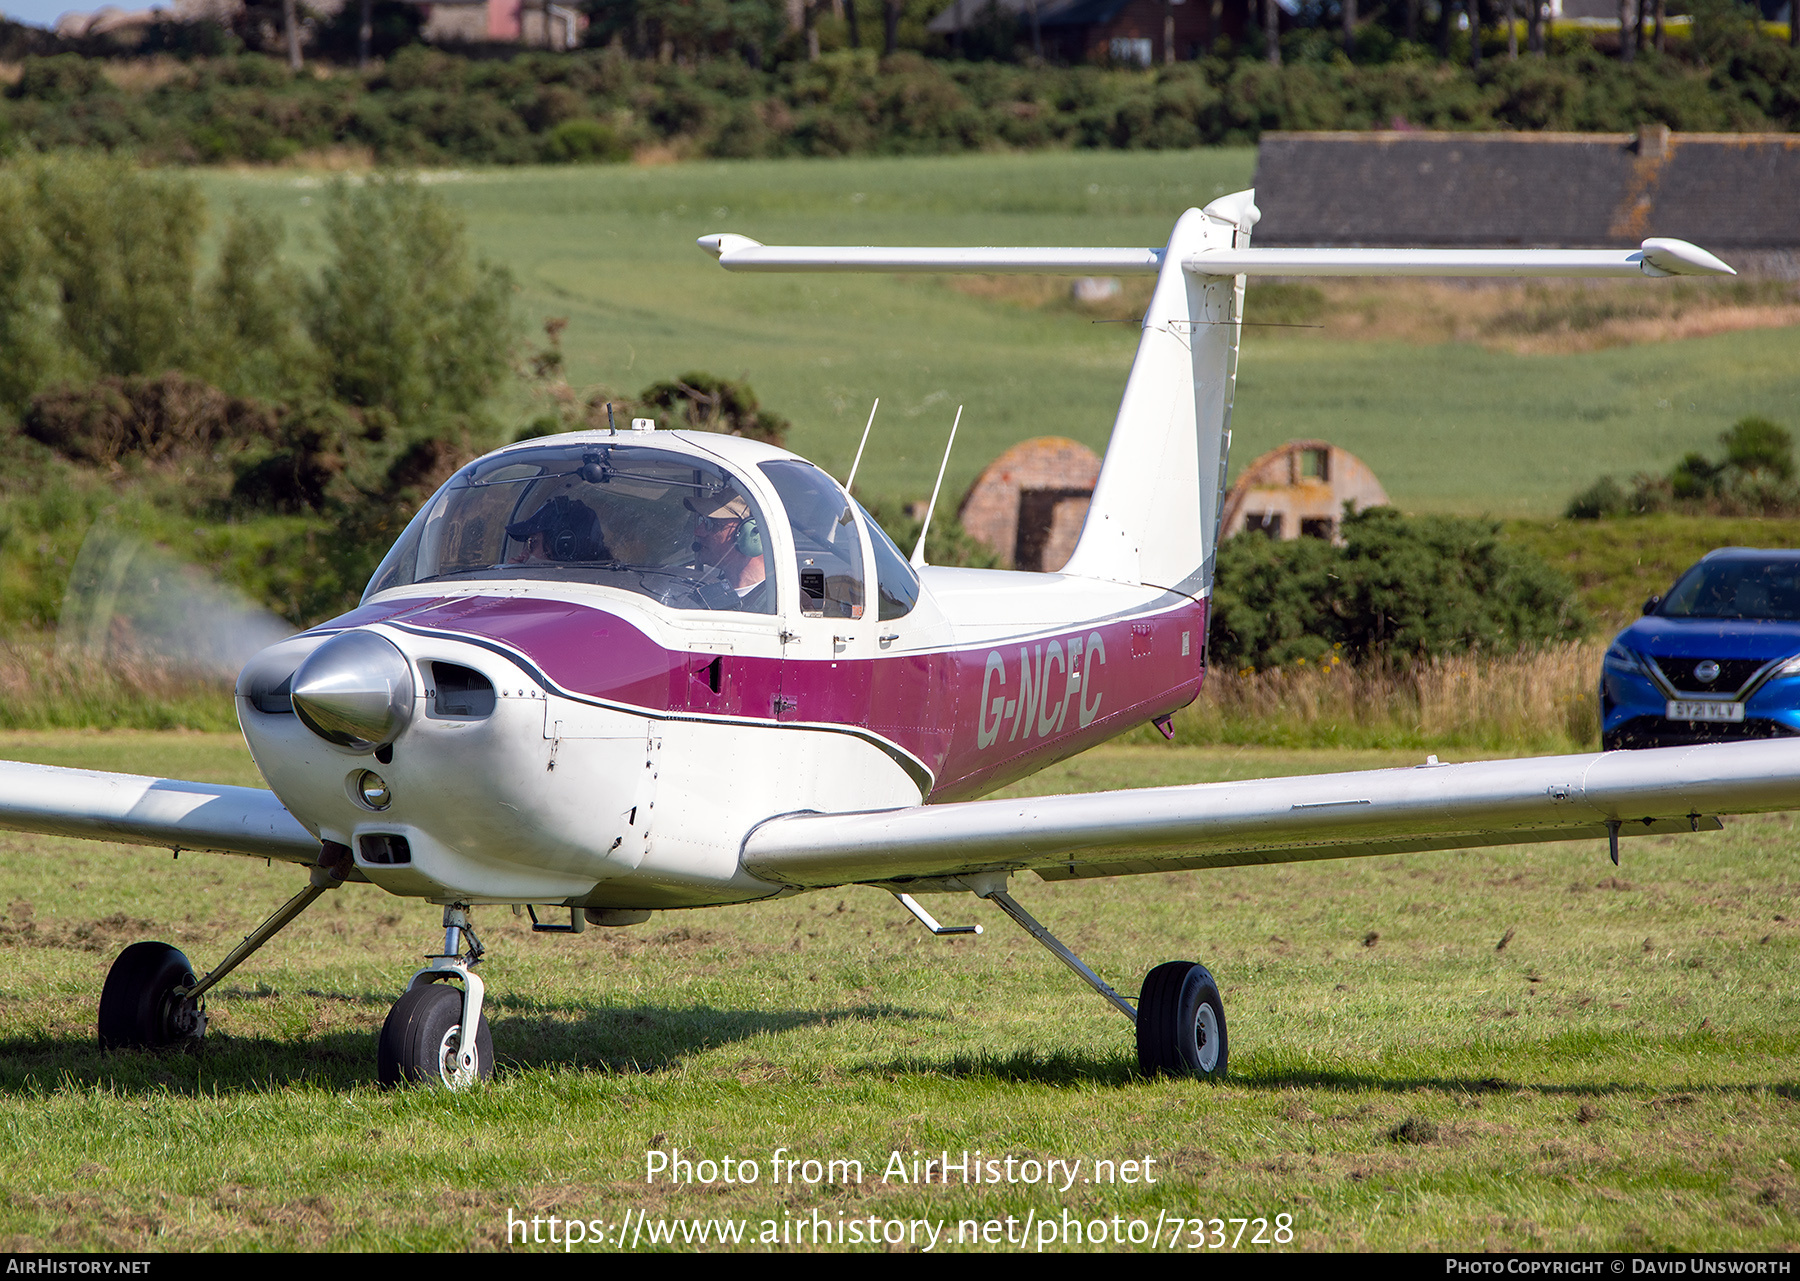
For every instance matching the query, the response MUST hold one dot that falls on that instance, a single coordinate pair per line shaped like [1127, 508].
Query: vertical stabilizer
[1155, 513]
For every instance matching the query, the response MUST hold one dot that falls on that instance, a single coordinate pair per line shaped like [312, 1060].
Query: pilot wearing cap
[728, 546]
[563, 529]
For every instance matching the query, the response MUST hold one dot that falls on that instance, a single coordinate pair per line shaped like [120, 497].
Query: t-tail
[1155, 515]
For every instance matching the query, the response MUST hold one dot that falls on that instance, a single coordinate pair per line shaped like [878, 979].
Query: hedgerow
[427, 106]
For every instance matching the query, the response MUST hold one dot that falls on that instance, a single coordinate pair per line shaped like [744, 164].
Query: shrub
[169, 418]
[575, 141]
[1755, 477]
[706, 402]
[1399, 587]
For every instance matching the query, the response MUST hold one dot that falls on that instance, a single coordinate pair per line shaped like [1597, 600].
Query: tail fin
[1155, 513]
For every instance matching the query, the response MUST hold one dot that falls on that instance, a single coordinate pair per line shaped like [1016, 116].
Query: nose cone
[355, 690]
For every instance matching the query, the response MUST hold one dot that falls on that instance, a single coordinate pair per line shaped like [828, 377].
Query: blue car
[1717, 659]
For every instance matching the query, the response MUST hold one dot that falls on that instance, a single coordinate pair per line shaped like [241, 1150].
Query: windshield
[668, 526]
[1734, 588]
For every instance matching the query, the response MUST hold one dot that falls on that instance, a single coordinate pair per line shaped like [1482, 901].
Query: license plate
[1698, 711]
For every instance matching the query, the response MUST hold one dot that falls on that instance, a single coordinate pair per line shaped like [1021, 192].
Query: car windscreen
[641, 519]
[1736, 588]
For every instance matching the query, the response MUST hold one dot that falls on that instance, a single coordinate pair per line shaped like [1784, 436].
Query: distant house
[1128, 32]
[538, 24]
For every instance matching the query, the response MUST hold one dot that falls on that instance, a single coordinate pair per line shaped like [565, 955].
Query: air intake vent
[384, 849]
[461, 691]
[275, 702]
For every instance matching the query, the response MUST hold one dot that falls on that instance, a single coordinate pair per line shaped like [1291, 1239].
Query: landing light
[372, 790]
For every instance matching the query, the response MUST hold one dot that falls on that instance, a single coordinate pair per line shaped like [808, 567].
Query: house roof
[1727, 191]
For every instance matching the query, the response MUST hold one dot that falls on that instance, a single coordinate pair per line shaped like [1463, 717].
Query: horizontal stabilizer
[1656, 257]
[1389, 811]
[138, 810]
[740, 253]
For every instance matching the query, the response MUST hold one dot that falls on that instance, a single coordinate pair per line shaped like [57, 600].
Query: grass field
[1448, 426]
[1508, 1049]
[1514, 1048]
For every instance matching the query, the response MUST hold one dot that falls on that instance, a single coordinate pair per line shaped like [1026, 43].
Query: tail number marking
[1049, 680]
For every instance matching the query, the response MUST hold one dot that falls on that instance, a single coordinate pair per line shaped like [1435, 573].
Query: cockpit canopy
[676, 527]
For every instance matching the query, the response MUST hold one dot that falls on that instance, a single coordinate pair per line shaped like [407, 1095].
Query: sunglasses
[707, 524]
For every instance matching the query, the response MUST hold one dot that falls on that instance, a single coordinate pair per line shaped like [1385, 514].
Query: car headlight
[1789, 668]
[1620, 659]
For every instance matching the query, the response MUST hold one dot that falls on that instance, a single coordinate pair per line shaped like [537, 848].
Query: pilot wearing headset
[728, 549]
[563, 529]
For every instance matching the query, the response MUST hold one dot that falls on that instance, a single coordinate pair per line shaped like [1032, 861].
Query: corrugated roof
[1552, 190]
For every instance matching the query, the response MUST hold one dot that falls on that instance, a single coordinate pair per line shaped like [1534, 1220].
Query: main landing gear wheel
[422, 1040]
[1181, 1022]
[138, 1005]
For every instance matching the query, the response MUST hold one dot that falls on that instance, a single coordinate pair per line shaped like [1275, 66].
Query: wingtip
[1671, 257]
[720, 243]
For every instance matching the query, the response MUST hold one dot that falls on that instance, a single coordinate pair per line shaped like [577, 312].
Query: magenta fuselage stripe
[977, 718]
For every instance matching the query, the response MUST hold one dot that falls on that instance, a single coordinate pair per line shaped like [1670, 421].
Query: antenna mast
[864, 443]
[918, 556]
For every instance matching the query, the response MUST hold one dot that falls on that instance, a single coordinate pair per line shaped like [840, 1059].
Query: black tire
[422, 1035]
[138, 1006]
[1181, 1023]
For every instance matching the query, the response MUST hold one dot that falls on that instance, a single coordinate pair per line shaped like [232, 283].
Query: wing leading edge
[140, 810]
[1390, 811]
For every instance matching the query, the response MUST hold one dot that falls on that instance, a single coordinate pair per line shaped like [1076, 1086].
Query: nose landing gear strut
[423, 1039]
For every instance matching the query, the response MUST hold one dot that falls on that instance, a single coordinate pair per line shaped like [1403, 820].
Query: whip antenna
[862, 445]
[918, 556]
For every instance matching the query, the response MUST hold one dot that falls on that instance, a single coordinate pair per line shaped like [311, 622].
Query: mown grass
[1506, 1049]
[1447, 425]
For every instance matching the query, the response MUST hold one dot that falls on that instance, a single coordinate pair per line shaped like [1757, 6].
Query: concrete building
[1299, 490]
[1029, 504]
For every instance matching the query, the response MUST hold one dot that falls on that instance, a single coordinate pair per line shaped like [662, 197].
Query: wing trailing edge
[139, 810]
[1391, 811]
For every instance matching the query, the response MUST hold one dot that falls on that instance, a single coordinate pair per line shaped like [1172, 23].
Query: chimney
[1653, 142]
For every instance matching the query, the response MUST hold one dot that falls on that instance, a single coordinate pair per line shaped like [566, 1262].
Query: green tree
[122, 247]
[406, 322]
[29, 352]
[250, 313]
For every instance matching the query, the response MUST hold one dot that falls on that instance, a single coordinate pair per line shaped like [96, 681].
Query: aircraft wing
[1389, 811]
[139, 810]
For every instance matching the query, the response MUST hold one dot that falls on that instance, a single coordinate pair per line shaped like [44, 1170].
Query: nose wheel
[422, 1041]
[425, 1039]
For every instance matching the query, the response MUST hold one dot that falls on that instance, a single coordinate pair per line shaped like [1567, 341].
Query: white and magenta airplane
[614, 673]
